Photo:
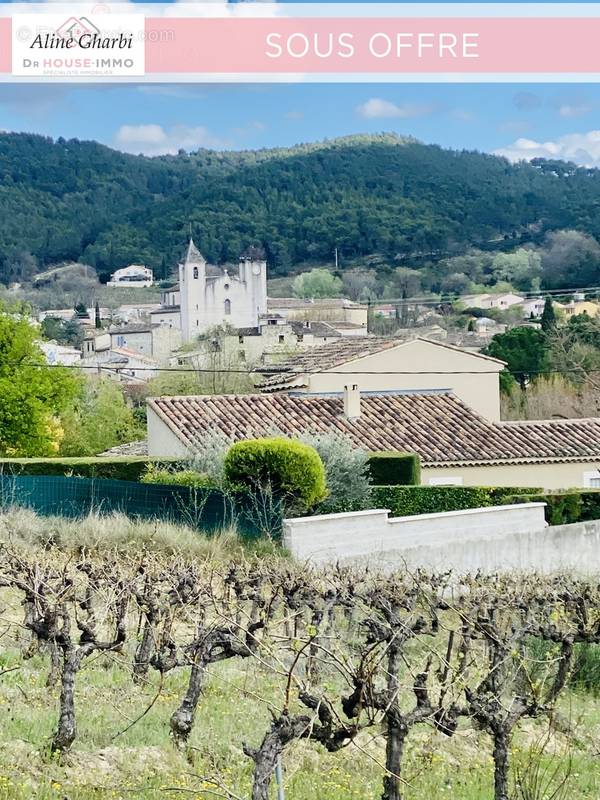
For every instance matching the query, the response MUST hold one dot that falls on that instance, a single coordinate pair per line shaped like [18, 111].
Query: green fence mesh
[207, 510]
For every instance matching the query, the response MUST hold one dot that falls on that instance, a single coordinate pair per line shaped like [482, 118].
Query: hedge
[182, 477]
[409, 500]
[125, 468]
[289, 469]
[564, 508]
[394, 469]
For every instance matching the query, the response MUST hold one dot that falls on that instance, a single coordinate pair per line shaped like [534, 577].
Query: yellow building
[380, 364]
[581, 307]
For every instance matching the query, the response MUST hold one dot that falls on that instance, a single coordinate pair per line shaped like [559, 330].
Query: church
[207, 295]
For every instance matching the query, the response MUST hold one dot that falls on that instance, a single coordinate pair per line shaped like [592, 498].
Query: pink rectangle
[241, 45]
[502, 45]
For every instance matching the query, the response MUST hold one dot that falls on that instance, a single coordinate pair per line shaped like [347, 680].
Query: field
[125, 747]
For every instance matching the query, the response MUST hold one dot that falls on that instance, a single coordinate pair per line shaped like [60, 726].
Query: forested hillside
[72, 200]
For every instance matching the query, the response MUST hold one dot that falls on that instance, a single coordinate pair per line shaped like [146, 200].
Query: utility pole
[337, 263]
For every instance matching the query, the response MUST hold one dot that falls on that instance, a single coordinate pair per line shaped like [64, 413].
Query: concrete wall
[373, 535]
[504, 538]
[547, 476]
[479, 388]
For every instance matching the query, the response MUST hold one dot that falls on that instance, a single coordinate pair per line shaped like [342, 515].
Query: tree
[64, 332]
[317, 283]
[32, 395]
[548, 319]
[98, 420]
[525, 351]
[570, 258]
[520, 268]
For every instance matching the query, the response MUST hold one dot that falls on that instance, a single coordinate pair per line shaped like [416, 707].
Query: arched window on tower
[195, 272]
[227, 307]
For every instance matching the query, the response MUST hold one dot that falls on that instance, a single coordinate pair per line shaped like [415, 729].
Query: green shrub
[125, 468]
[167, 477]
[409, 500]
[286, 468]
[590, 504]
[395, 469]
[345, 471]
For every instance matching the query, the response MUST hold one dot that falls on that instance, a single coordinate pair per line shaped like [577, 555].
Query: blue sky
[554, 120]
[518, 120]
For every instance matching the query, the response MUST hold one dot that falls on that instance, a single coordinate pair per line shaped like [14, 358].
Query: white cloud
[377, 108]
[294, 115]
[581, 148]
[154, 140]
[569, 110]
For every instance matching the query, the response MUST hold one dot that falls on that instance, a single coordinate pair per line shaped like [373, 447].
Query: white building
[485, 301]
[60, 354]
[133, 275]
[208, 295]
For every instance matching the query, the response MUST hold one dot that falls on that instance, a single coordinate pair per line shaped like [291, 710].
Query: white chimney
[351, 401]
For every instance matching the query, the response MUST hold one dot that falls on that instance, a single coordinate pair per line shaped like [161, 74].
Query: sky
[518, 121]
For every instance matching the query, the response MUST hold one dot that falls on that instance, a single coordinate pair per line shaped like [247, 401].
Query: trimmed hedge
[394, 469]
[409, 500]
[289, 469]
[184, 477]
[124, 468]
[564, 508]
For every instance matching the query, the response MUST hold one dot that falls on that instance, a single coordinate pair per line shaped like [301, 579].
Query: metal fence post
[279, 779]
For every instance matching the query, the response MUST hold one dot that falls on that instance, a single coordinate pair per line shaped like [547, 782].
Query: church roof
[193, 255]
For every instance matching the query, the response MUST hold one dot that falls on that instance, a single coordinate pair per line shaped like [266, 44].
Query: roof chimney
[351, 401]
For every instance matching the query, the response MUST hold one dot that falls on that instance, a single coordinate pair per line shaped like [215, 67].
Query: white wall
[499, 537]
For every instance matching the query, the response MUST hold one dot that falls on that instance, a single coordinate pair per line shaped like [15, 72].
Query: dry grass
[117, 533]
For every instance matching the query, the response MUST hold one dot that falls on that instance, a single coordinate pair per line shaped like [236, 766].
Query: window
[450, 480]
[281, 338]
[272, 322]
[300, 337]
[227, 307]
[226, 286]
[591, 480]
[241, 339]
[242, 355]
[195, 272]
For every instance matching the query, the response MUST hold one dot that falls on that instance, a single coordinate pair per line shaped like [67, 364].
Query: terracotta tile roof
[436, 425]
[320, 329]
[290, 373]
[299, 302]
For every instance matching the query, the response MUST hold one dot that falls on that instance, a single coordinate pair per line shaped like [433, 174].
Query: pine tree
[548, 316]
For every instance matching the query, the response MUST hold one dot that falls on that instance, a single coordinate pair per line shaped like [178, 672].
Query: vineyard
[151, 671]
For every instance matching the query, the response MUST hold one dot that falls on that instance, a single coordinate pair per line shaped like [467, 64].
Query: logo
[75, 27]
[108, 45]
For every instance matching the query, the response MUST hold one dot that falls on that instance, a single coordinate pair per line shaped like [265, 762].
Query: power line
[291, 373]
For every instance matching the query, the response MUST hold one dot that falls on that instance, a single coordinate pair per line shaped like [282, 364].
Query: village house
[456, 445]
[380, 364]
[575, 308]
[133, 275]
[501, 302]
[331, 309]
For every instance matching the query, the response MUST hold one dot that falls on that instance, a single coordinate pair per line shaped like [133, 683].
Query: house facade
[133, 275]
[389, 365]
[456, 445]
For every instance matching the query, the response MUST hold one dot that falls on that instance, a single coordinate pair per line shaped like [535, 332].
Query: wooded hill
[73, 200]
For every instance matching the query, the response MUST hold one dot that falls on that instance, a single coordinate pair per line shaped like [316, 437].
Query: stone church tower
[212, 295]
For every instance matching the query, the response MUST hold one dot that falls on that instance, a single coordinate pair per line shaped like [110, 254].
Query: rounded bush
[287, 468]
